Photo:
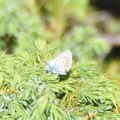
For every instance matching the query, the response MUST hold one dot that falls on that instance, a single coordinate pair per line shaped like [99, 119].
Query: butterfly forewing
[62, 63]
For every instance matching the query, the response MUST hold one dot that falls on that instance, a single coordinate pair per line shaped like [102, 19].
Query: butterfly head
[48, 69]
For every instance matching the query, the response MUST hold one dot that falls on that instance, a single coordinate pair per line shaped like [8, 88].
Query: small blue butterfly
[61, 64]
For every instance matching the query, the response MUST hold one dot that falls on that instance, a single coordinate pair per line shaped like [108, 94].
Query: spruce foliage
[29, 92]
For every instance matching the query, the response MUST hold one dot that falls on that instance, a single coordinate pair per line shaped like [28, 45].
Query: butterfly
[61, 64]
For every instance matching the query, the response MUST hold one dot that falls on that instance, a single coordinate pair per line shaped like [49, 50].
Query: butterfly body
[61, 64]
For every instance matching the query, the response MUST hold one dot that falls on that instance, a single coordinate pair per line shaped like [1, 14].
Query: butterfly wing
[61, 64]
